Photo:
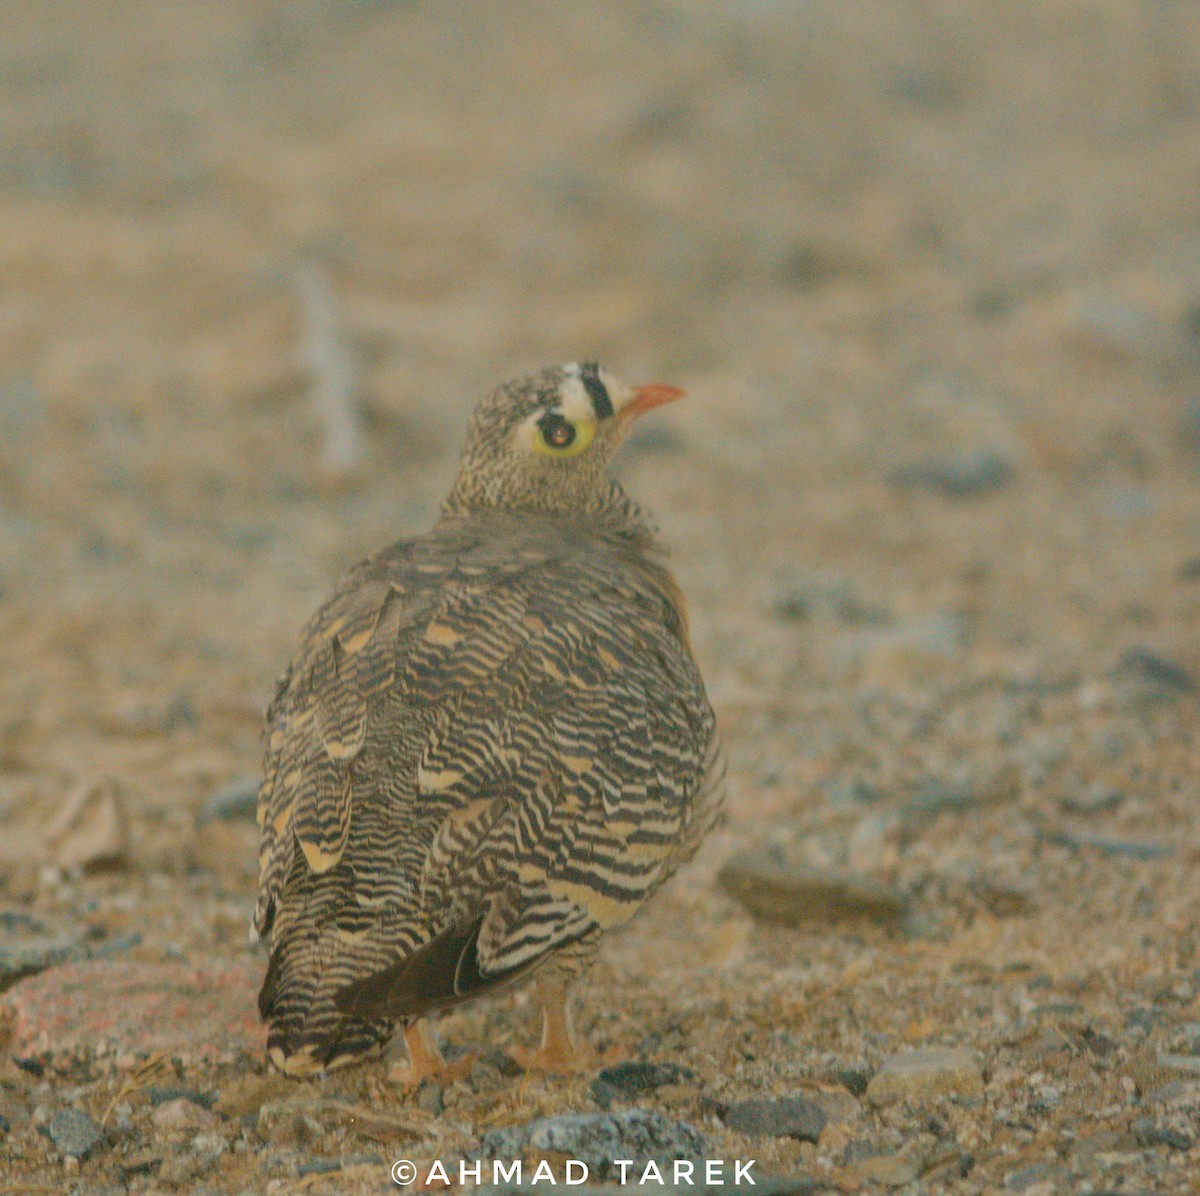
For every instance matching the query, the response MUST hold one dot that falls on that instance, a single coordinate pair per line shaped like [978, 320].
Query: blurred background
[930, 273]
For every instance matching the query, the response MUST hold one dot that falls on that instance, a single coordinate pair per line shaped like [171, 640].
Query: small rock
[1131, 848]
[1148, 1132]
[29, 956]
[784, 1117]
[927, 1074]
[1035, 1174]
[89, 830]
[853, 1079]
[74, 1133]
[325, 1166]
[632, 1079]
[596, 1139]
[232, 802]
[935, 796]
[795, 894]
[1097, 799]
[958, 475]
[160, 1096]
[888, 1170]
[1154, 675]
[182, 1114]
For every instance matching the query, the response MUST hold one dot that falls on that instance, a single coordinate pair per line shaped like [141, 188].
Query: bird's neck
[607, 504]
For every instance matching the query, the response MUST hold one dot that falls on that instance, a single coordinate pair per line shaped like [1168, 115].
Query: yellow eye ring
[557, 436]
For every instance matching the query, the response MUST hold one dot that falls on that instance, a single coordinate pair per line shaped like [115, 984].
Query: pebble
[1133, 849]
[182, 1114]
[935, 795]
[1098, 799]
[887, 1170]
[783, 1117]
[74, 1133]
[1023, 1179]
[89, 829]
[631, 1079]
[233, 802]
[795, 894]
[926, 1074]
[325, 1166]
[136, 1007]
[25, 958]
[958, 475]
[1153, 675]
[596, 1139]
[1149, 1133]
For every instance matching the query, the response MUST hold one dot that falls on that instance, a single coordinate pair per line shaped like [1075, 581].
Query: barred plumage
[492, 746]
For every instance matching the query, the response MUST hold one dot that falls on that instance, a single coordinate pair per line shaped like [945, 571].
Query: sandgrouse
[492, 746]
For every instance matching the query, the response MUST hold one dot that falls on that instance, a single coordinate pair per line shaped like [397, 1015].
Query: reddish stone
[136, 1008]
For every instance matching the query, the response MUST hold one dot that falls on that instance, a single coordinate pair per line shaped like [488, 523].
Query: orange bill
[646, 397]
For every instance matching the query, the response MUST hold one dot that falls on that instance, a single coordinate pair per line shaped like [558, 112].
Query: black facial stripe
[589, 374]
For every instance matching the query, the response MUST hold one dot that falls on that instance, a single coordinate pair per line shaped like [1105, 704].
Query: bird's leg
[559, 1051]
[425, 1060]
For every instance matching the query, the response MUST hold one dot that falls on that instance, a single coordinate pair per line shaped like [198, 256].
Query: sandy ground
[930, 273]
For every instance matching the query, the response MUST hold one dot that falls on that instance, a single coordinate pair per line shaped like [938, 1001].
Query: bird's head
[543, 442]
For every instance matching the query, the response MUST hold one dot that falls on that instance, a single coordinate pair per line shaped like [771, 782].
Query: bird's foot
[408, 1077]
[426, 1062]
[560, 1060]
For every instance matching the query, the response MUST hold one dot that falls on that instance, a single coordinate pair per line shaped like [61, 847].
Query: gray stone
[596, 1139]
[181, 1115]
[795, 894]
[74, 1133]
[1024, 1178]
[958, 475]
[25, 957]
[1148, 1132]
[936, 795]
[887, 1170]
[1133, 849]
[233, 802]
[785, 1117]
[632, 1078]
[927, 1074]
[1153, 675]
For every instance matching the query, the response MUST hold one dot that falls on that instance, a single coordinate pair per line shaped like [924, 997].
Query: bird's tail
[307, 1033]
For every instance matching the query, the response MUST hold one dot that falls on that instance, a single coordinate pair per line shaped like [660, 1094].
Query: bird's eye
[560, 437]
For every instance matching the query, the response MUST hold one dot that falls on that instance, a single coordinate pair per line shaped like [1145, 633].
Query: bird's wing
[562, 791]
[317, 725]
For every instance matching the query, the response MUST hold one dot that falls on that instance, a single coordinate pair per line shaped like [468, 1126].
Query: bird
[492, 746]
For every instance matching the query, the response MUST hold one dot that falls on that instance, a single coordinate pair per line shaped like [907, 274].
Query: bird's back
[492, 744]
